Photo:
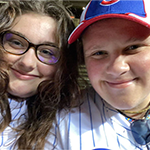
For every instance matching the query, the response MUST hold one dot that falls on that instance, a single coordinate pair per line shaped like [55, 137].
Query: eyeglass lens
[141, 131]
[16, 44]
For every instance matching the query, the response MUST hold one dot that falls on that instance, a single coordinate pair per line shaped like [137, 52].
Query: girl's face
[25, 71]
[117, 57]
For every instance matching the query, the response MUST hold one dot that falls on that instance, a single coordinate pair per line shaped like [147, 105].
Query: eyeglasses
[14, 43]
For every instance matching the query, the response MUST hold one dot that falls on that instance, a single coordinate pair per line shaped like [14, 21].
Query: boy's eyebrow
[93, 47]
[132, 39]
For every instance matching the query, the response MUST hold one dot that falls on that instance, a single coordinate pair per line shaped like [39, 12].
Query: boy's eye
[133, 47]
[100, 53]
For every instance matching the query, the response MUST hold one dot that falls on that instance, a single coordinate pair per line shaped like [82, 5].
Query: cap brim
[83, 25]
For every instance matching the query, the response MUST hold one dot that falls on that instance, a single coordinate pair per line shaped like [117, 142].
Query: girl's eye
[47, 53]
[15, 43]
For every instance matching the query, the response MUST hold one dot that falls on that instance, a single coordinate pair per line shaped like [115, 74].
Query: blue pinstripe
[91, 120]
[103, 113]
[2, 139]
[17, 110]
[80, 127]
[68, 130]
[95, 125]
[56, 129]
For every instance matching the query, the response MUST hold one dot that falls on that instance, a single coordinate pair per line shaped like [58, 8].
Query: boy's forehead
[122, 26]
[135, 10]
[116, 22]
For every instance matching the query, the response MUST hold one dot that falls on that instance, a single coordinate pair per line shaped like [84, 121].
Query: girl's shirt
[93, 125]
[8, 137]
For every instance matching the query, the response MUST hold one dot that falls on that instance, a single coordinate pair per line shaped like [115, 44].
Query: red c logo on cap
[110, 2]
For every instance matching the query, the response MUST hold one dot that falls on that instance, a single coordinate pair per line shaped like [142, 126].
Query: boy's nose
[117, 66]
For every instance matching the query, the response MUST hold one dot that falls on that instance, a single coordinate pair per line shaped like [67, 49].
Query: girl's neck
[18, 99]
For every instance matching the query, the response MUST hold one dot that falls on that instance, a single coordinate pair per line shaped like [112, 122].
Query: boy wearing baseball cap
[116, 46]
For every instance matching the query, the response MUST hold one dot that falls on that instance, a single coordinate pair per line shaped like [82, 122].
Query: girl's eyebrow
[16, 32]
[45, 42]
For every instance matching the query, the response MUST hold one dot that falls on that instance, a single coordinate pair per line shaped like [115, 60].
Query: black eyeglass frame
[35, 46]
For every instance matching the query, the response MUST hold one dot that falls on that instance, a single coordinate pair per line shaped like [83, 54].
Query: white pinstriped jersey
[95, 124]
[8, 136]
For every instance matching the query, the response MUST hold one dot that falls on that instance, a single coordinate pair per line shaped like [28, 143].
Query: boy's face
[117, 57]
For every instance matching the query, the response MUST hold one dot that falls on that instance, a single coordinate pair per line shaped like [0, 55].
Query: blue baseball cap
[134, 10]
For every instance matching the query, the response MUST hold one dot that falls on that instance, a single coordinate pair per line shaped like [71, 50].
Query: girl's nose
[28, 60]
